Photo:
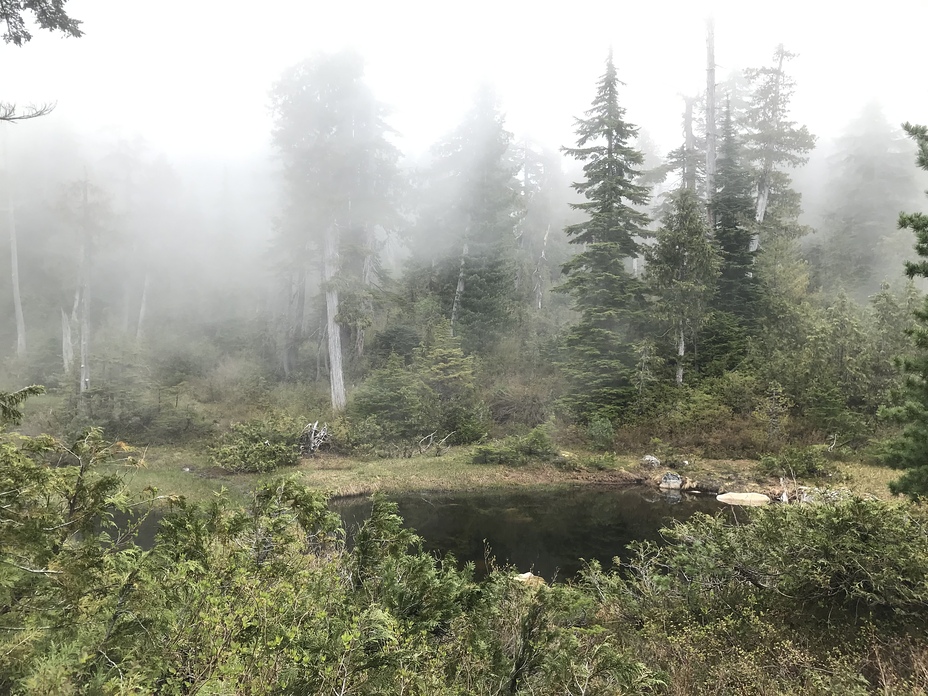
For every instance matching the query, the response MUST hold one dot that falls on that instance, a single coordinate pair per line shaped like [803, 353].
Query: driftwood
[312, 438]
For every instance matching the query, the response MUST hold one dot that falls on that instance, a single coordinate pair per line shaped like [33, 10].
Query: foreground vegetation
[265, 597]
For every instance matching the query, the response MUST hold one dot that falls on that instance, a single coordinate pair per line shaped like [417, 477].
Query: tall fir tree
[601, 356]
[773, 144]
[870, 179]
[340, 173]
[909, 449]
[733, 209]
[465, 239]
[682, 270]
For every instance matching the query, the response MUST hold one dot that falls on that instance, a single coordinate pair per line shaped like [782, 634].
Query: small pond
[545, 531]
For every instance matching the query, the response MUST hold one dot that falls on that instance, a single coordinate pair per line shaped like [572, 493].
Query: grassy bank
[188, 471]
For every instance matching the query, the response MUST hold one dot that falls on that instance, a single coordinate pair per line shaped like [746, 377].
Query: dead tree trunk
[539, 269]
[293, 322]
[711, 131]
[689, 146]
[85, 299]
[367, 282]
[14, 253]
[329, 268]
[459, 290]
[14, 263]
[67, 347]
[681, 351]
[143, 309]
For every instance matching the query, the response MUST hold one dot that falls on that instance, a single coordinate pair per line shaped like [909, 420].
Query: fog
[192, 78]
[179, 207]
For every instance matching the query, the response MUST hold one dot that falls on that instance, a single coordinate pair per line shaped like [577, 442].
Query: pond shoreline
[188, 472]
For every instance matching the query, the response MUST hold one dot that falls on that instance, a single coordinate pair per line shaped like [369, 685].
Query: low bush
[800, 463]
[534, 446]
[258, 446]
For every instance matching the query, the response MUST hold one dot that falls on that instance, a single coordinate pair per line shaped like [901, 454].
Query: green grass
[166, 469]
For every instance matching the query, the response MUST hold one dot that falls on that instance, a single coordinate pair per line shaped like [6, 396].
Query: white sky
[192, 76]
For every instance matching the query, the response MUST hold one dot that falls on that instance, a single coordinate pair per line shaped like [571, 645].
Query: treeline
[475, 292]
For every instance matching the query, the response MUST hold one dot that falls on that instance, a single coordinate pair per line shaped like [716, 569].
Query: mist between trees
[488, 287]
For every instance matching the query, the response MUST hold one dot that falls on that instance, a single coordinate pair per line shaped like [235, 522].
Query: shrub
[799, 462]
[258, 446]
[600, 433]
[536, 445]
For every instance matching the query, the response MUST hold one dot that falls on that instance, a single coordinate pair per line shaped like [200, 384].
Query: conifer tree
[466, 234]
[774, 143]
[733, 208]
[682, 269]
[601, 356]
[339, 169]
[909, 450]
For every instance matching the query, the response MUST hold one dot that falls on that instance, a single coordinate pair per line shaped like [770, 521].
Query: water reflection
[543, 531]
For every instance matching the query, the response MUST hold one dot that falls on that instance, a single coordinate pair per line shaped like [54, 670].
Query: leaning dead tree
[312, 438]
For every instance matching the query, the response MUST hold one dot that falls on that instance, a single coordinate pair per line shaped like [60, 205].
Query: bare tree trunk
[85, 298]
[367, 282]
[459, 290]
[14, 263]
[329, 266]
[711, 131]
[293, 322]
[14, 252]
[319, 353]
[689, 146]
[539, 267]
[681, 351]
[143, 308]
[67, 347]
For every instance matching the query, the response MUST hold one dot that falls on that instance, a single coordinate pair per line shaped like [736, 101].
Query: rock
[671, 481]
[529, 579]
[711, 486]
[746, 499]
[650, 461]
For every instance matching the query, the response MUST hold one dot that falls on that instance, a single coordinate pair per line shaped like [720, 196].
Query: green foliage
[268, 598]
[600, 355]
[396, 401]
[600, 433]
[258, 446]
[10, 402]
[909, 450]
[802, 463]
[517, 449]
[682, 270]
[732, 206]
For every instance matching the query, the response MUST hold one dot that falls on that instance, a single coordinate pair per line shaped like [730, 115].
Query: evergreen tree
[465, 238]
[773, 143]
[870, 179]
[733, 209]
[682, 269]
[601, 355]
[340, 171]
[909, 450]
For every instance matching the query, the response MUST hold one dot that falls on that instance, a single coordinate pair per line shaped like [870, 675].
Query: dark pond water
[543, 531]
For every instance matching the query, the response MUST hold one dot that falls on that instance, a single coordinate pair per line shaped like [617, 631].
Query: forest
[754, 295]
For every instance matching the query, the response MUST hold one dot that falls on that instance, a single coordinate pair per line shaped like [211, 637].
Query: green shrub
[600, 433]
[258, 446]
[800, 463]
[514, 450]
